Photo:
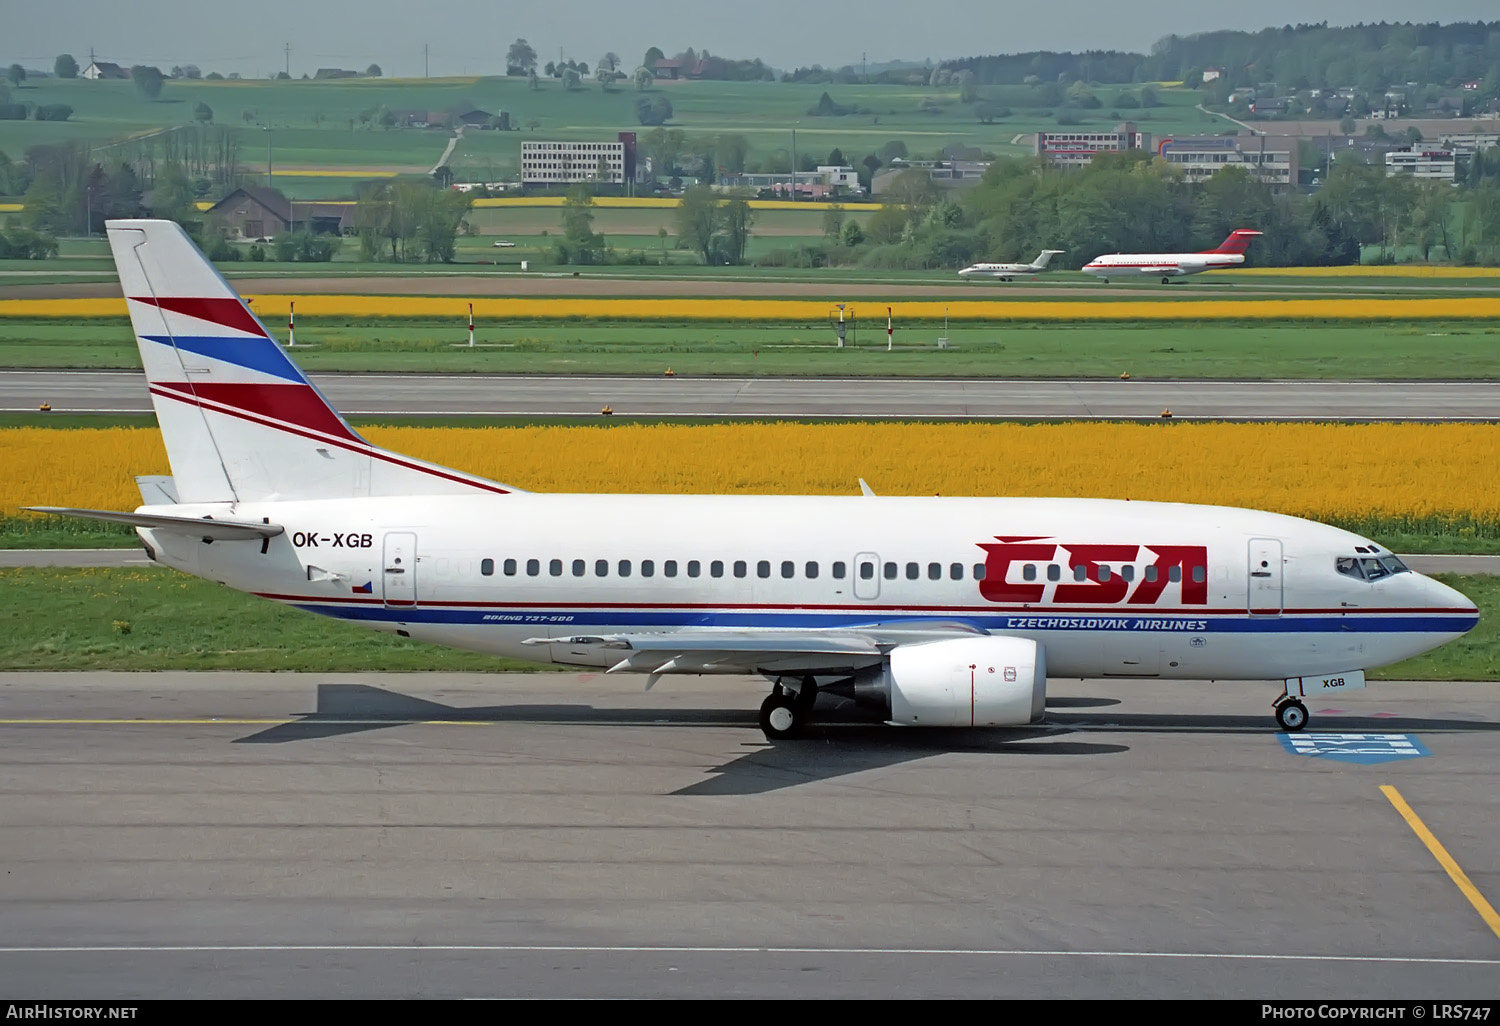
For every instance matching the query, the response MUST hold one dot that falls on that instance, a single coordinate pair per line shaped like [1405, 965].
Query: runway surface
[422, 394]
[275, 835]
[134, 556]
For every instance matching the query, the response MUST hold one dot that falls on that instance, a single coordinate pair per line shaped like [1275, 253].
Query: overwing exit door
[399, 577]
[1265, 567]
[866, 576]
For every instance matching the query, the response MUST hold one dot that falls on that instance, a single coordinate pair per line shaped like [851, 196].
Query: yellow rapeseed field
[1408, 473]
[804, 311]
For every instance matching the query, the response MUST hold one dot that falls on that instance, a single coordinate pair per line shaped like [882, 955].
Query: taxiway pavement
[283, 835]
[530, 395]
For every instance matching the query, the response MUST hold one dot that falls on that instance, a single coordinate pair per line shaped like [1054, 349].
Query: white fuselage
[1169, 590]
[1159, 265]
[1004, 271]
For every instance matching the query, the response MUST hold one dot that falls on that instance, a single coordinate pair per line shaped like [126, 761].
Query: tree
[148, 80]
[203, 112]
[833, 222]
[968, 87]
[653, 110]
[520, 58]
[532, 81]
[1413, 135]
[191, 71]
[65, 66]
[836, 158]
[731, 153]
[853, 235]
[1346, 125]
[579, 244]
[653, 54]
[643, 78]
[550, 70]
[699, 220]
[373, 71]
[16, 74]
[736, 218]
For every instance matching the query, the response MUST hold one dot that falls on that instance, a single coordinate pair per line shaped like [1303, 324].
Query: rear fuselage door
[399, 577]
[1265, 564]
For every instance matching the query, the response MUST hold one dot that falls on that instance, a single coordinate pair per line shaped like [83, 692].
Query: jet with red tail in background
[1173, 265]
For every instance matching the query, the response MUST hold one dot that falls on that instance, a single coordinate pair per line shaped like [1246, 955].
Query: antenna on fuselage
[866, 489]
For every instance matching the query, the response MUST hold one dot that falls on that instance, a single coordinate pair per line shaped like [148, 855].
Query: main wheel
[780, 717]
[1291, 716]
[1166, 281]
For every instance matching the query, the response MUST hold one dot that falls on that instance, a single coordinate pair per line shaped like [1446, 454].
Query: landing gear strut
[785, 712]
[1291, 715]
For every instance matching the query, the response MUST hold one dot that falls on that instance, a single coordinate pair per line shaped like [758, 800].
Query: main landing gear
[787, 708]
[1291, 715]
[1166, 281]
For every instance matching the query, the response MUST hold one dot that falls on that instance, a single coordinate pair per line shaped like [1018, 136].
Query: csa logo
[1365, 749]
[1183, 567]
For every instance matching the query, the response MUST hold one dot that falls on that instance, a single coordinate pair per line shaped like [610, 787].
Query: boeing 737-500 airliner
[937, 611]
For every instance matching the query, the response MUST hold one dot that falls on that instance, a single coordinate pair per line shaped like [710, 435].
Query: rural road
[432, 394]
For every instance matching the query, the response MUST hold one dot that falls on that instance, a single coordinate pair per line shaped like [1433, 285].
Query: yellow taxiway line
[1484, 908]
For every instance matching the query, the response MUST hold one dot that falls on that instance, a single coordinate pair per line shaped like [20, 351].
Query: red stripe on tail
[228, 313]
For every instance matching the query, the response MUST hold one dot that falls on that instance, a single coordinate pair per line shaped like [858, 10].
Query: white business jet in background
[1005, 272]
[1228, 253]
[936, 611]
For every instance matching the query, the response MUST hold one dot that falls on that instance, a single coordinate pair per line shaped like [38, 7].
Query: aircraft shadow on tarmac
[843, 740]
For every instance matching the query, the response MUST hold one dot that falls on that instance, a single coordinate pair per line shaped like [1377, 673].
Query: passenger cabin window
[763, 568]
[913, 571]
[623, 569]
[1028, 572]
[934, 571]
[487, 567]
[1174, 574]
[866, 571]
[890, 571]
[716, 568]
[1080, 572]
[1151, 573]
[554, 567]
[1200, 574]
[533, 567]
[648, 568]
[579, 568]
[669, 568]
[1102, 573]
[509, 566]
[838, 571]
[1127, 572]
[978, 571]
[1054, 572]
[695, 568]
[789, 569]
[601, 568]
[739, 568]
[811, 570]
[956, 571]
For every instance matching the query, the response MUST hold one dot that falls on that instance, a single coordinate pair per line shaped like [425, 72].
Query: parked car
[505, 245]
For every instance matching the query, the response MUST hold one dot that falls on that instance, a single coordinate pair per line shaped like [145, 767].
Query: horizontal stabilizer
[226, 530]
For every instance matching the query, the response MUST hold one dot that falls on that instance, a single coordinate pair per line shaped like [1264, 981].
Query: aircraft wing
[768, 650]
[227, 530]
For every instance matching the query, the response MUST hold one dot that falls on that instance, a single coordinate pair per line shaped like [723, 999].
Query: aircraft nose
[1437, 595]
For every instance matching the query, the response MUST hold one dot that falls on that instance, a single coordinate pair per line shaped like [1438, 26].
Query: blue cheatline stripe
[259, 354]
[659, 618]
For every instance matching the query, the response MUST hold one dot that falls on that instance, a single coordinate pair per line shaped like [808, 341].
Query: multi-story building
[566, 163]
[1076, 147]
[1425, 162]
[1271, 159]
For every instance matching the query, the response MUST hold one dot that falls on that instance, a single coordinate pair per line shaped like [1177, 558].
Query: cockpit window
[1369, 568]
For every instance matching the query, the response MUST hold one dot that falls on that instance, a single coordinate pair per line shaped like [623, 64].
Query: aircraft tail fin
[1044, 258]
[1238, 241]
[240, 420]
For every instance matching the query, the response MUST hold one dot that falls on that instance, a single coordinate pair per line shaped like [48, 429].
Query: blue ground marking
[1366, 749]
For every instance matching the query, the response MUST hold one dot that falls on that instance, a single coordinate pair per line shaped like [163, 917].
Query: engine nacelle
[968, 682]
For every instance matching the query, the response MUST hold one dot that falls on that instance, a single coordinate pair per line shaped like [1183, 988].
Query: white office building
[1426, 163]
[1076, 147]
[564, 163]
[1271, 159]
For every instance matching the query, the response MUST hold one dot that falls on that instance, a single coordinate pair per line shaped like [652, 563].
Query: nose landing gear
[1291, 715]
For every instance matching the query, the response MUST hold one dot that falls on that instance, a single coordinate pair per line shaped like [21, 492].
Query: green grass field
[310, 121]
[156, 619]
[1420, 350]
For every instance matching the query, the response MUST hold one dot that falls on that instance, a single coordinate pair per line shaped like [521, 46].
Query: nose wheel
[1291, 715]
